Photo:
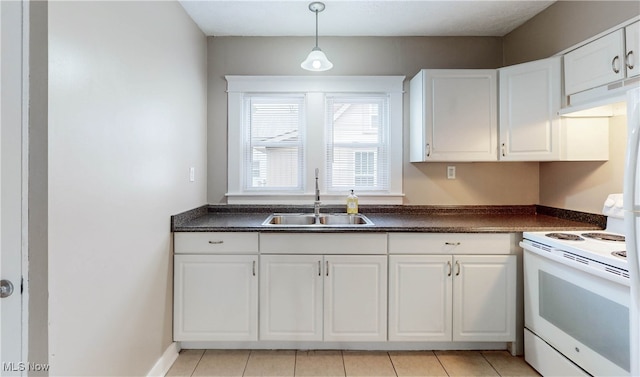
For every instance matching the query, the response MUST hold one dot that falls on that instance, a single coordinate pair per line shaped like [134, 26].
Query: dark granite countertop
[433, 219]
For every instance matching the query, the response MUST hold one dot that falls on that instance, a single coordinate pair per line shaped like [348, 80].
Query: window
[357, 142]
[282, 128]
[273, 147]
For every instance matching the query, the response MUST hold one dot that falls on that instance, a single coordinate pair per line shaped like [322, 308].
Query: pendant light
[317, 60]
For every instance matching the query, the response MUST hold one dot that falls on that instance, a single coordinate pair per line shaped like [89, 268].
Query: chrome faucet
[316, 203]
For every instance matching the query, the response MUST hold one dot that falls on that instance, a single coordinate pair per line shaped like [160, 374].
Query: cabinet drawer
[326, 243]
[216, 242]
[449, 243]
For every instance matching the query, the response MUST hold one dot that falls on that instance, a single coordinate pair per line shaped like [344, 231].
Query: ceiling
[362, 18]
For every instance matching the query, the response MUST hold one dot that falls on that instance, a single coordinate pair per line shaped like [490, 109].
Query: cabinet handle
[628, 60]
[452, 243]
[450, 269]
[504, 150]
[428, 150]
[319, 268]
[327, 268]
[613, 64]
[458, 268]
[216, 242]
[253, 268]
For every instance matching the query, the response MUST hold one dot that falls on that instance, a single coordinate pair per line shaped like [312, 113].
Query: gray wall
[38, 326]
[424, 183]
[562, 25]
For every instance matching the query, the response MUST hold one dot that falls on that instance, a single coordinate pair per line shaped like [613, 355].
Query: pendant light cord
[316, 11]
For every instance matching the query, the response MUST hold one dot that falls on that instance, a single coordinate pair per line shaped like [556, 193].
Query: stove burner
[565, 236]
[604, 236]
[620, 254]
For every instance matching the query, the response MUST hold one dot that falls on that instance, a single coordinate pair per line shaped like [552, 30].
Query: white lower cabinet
[484, 296]
[429, 287]
[330, 298]
[420, 301]
[291, 297]
[215, 297]
[355, 298]
[451, 297]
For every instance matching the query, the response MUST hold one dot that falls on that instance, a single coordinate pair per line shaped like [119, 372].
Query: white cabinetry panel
[291, 297]
[216, 297]
[449, 243]
[632, 55]
[216, 242]
[355, 298]
[330, 298]
[420, 301]
[530, 98]
[323, 243]
[452, 297]
[484, 297]
[453, 115]
[594, 64]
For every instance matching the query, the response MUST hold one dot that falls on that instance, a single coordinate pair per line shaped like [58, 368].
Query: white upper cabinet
[453, 115]
[610, 58]
[530, 98]
[595, 64]
[632, 55]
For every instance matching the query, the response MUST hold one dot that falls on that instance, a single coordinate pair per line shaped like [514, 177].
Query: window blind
[357, 130]
[273, 142]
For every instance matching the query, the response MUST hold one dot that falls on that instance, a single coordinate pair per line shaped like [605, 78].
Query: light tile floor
[348, 363]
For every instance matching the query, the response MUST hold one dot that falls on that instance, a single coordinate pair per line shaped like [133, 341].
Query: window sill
[303, 199]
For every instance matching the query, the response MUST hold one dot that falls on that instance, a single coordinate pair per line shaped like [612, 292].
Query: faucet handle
[317, 171]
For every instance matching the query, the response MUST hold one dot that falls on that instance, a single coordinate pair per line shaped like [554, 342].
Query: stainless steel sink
[322, 220]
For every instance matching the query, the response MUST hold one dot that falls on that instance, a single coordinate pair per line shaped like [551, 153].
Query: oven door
[583, 316]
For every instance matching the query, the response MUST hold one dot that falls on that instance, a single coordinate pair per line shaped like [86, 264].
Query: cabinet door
[355, 298]
[461, 115]
[632, 56]
[529, 105]
[215, 297]
[484, 298]
[420, 303]
[594, 64]
[291, 297]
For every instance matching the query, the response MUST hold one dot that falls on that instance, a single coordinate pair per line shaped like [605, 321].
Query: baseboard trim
[167, 359]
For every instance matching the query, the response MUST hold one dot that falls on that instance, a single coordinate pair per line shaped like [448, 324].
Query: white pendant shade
[316, 61]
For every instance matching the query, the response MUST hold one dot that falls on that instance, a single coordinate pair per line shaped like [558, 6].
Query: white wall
[127, 119]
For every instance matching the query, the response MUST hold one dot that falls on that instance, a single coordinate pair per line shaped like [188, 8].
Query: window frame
[314, 88]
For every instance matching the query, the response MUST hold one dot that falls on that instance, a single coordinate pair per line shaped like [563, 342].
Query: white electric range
[577, 301]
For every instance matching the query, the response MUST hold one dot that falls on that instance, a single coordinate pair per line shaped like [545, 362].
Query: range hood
[604, 101]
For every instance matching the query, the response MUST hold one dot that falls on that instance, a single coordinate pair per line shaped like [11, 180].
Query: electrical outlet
[451, 172]
[192, 174]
